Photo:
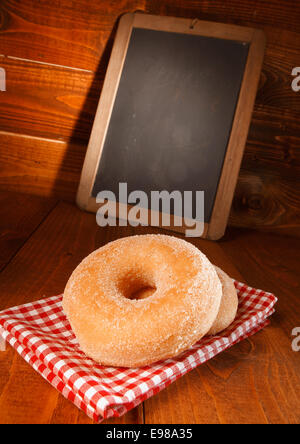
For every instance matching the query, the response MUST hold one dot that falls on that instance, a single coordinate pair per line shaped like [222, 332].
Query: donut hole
[143, 293]
[136, 287]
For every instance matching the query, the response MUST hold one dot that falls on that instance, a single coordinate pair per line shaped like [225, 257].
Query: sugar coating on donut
[229, 304]
[116, 329]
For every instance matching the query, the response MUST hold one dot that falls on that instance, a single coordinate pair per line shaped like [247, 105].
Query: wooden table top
[256, 381]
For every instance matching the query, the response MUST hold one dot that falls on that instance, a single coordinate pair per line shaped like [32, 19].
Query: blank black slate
[172, 115]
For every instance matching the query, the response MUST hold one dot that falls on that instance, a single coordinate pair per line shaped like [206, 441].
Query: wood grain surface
[56, 54]
[47, 101]
[16, 225]
[26, 169]
[256, 381]
[67, 33]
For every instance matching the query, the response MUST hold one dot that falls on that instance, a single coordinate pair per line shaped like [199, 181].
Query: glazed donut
[229, 304]
[115, 327]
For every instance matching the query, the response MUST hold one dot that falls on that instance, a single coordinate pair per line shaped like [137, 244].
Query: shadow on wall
[68, 175]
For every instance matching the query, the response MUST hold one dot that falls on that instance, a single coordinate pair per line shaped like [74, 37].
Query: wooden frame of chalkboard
[215, 227]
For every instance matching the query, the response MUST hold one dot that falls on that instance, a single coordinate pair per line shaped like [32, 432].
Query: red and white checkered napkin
[41, 334]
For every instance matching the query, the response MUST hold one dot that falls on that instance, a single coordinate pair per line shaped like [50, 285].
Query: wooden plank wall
[55, 53]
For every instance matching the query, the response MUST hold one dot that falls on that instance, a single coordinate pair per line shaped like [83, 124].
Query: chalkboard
[172, 114]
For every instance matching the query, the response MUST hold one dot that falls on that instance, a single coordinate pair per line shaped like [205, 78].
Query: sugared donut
[229, 304]
[114, 327]
[228, 307]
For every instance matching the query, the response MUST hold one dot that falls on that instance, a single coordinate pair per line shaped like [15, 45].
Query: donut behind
[229, 304]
